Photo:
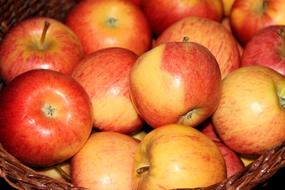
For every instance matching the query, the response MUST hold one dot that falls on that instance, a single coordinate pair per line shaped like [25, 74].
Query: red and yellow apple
[113, 23]
[247, 17]
[250, 117]
[105, 76]
[105, 162]
[39, 43]
[267, 48]
[176, 156]
[45, 117]
[162, 13]
[211, 34]
[176, 82]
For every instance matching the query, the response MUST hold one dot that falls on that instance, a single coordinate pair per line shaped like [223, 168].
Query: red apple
[250, 117]
[247, 17]
[105, 162]
[104, 75]
[176, 82]
[211, 34]
[39, 43]
[233, 161]
[137, 2]
[45, 117]
[267, 48]
[100, 24]
[176, 156]
[163, 13]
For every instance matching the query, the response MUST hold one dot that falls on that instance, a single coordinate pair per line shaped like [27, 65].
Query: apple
[105, 162]
[113, 23]
[211, 34]
[45, 117]
[227, 4]
[176, 156]
[176, 82]
[162, 13]
[234, 164]
[105, 74]
[250, 117]
[38, 43]
[137, 2]
[267, 48]
[247, 17]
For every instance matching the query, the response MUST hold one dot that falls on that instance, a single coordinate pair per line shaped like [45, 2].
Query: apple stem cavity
[142, 169]
[49, 110]
[111, 22]
[45, 29]
[185, 39]
[282, 101]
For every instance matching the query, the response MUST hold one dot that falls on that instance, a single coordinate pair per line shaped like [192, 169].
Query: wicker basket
[264, 173]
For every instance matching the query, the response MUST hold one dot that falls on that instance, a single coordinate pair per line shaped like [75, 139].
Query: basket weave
[19, 176]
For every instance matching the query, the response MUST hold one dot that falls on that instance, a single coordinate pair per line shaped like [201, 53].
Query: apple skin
[105, 75]
[267, 48]
[234, 164]
[113, 23]
[221, 42]
[176, 156]
[45, 117]
[227, 4]
[21, 50]
[162, 13]
[105, 162]
[176, 82]
[247, 17]
[250, 117]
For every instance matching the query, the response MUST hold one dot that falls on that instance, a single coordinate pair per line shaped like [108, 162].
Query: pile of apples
[145, 94]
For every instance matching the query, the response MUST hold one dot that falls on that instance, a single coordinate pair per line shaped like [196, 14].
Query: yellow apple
[177, 156]
[250, 117]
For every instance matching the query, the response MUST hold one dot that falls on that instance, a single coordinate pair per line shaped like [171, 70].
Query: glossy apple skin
[113, 23]
[105, 162]
[249, 16]
[233, 162]
[45, 117]
[176, 82]
[105, 76]
[162, 13]
[227, 4]
[177, 156]
[211, 34]
[250, 117]
[267, 48]
[21, 49]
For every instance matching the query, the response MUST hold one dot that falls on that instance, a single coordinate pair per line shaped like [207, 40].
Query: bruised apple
[176, 82]
[105, 162]
[104, 75]
[177, 156]
[45, 117]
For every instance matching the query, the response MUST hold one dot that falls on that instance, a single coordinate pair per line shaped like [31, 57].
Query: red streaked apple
[39, 43]
[177, 156]
[176, 82]
[250, 117]
[105, 162]
[45, 117]
[105, 75]
[233, 161]
[247, 17]
[267, 48]
[163, 13]
[211, 34]
[113, 23]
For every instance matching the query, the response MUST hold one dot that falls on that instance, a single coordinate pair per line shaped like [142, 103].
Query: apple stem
[43, 37]
[142, 169]
[185, 39]
[63, 173]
